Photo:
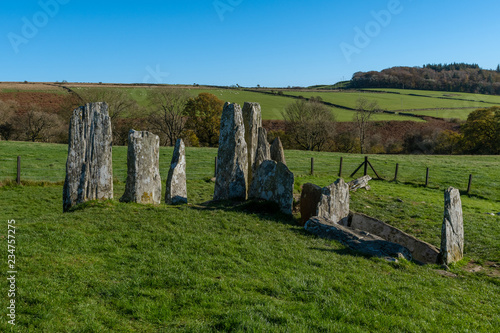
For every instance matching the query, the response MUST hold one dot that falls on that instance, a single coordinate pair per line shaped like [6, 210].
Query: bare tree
[310, 124]
[364, 111]
[37, 125]
[167, 112]
[7, 113]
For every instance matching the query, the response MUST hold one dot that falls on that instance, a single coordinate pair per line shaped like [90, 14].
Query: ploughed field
[110, 266]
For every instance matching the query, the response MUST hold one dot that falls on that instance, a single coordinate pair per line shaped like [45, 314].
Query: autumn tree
[364, 111]
[482, 131]
[204, 113]
[167, 112]
[310, 124]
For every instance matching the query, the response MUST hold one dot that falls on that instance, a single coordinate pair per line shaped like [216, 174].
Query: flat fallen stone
[452, 232]
[89, 169]
[232, 158]
[143, 165]
[176, 192]
[360, 183]
[357, 240]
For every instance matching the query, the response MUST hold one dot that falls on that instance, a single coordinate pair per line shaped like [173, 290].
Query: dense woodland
[456, 77]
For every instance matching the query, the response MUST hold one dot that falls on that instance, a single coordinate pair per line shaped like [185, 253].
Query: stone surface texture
[176, 192]
[89, 171]
[143, 168]
[273, 182]
[452, 232]
[357, 240]
[232, 159]
[360, 183]
[420, 250]
[277, 152]
[310, 197]
[252, 120]
[334, 202]
[263, 153]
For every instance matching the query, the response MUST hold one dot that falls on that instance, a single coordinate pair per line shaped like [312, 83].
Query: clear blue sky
[246, 42]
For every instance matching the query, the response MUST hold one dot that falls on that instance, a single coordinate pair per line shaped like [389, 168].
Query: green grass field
[114, 267]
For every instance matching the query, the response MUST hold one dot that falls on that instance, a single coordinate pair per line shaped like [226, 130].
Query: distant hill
[456, 77]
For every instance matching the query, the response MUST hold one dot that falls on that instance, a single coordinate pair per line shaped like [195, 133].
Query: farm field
[109, 266]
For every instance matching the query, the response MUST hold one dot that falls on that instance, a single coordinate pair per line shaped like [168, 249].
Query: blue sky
[246, 42]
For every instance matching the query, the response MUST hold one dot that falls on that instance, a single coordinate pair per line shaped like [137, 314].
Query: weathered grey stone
[176, 183]
[273, 182]
[355, 239]
[89, 170]
[252, 120]
[263, 153]
[452, 233]
[232, 159]
[359, 183]
[310, 197]
[420, 250]
[334, 202]
[277, 152]
[143, 168]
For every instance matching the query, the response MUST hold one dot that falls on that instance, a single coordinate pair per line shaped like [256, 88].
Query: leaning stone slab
[252, 119]
[143, 168]
[263, 153]
[273, 182]
[89, 171]
[355, 239]
[334, 202]
[360, 183]
[452, 232]
[420, 250]
[310, 197]
[232, 159]
[176, 182]
[277, 152]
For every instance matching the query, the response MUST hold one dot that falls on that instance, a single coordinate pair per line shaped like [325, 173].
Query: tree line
[456, 77]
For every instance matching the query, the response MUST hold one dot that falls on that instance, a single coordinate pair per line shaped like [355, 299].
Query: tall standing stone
[176, 183]
[252, 119]
[89, 171]
[143, 168]
[334, 202]
[310, 197]
[277, 152]
[273, 182]
[452, 233]
[232, 159]
[263, 153]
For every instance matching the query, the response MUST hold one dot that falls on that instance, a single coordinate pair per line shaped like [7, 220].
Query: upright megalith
[334, 202]
[176, 183]
[277, 152]
[452, 232]
[263, 153]
[89, 171]
[232, 158]
[273, 182]
[252, 120]
[143, 168]
[310, 197]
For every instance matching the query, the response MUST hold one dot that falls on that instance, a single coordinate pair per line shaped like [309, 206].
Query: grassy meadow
[114, 267]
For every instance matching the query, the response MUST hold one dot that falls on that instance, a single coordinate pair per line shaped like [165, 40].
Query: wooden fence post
[396, 173]
[470, 184]
[18, 178]
[427, 178]
[340, 168]
[366, 166]
[312, 165]
[215, 172]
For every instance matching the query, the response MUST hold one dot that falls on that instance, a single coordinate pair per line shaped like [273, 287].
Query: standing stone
[452, 232]
[252, 118]
[89, 171]
[273, 182]
[143, 168]
[263, 153]
[277, 152]
[310, 197]
[232, 159]
[334, 202]
[176, 183]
